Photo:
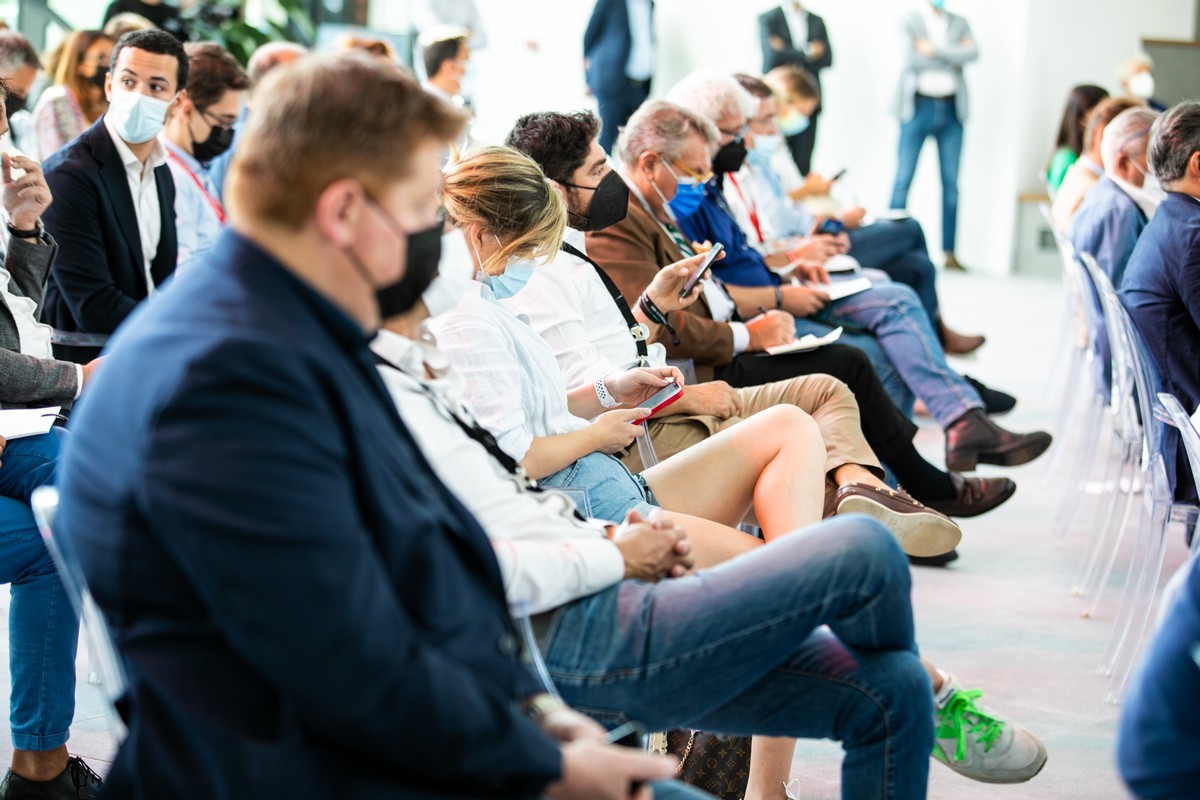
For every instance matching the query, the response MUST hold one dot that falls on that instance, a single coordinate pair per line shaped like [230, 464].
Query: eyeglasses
[736, 133]
[700, 179]
[216, 122]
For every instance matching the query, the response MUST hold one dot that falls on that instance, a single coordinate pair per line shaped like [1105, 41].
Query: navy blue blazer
[303, 608]
[1161, 290]
[606, 46]
[99, 275]
[774, 23]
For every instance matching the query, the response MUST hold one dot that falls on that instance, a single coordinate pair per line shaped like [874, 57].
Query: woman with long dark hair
[1069, 143]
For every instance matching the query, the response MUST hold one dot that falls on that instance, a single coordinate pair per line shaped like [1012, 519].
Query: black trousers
[616, 108]
[801, 145]
[884, 427]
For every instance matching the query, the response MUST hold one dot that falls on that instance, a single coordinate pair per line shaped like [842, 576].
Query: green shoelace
[961, 716]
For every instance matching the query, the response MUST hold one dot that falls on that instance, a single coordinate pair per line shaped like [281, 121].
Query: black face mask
[12, 105]
[420, 268]
[97, 80]
[730, 157]
[609, 205]
[218, 141]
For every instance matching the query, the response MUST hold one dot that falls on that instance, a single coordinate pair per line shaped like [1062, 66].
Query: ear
[338, 212]
[646, 162]
[1193, 167]
[178, 104]
[108, 91]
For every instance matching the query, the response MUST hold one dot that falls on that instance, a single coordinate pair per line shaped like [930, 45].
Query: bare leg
[774, 460]
[770, 767]
[40, 765]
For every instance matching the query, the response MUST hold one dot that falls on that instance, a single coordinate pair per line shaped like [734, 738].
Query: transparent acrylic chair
[106, 659]
[1128, 434]
[1158, 506]
[1080, 383]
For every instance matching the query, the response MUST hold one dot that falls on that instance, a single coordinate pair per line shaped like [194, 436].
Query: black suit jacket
[774, 23]
[304, 610]
[606, 45]
[98, 277]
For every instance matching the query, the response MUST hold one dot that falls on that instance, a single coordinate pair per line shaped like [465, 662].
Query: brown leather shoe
[975, 496]
[952, 263]
[973, 439]
[920, 530]
[957, 344]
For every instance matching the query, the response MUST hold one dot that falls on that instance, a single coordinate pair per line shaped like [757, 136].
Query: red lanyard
[212, 201]
[750, 207]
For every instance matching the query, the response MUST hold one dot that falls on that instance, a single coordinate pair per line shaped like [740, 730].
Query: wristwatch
[38, 231]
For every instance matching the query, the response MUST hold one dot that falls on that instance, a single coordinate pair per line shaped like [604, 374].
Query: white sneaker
[977, 744]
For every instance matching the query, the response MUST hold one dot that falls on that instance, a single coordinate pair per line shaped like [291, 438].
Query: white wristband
[602, 394]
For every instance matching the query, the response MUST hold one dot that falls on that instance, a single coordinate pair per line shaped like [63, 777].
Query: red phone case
[668, 401]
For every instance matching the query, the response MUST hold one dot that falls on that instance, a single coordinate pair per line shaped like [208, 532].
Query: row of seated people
[266, 502]
[1132, 201]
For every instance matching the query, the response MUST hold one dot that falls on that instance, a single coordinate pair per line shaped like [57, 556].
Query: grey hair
[270, 55]
[713, 95]
[16, 52]
[1173, 140]
[663, 128]
[1128, 133]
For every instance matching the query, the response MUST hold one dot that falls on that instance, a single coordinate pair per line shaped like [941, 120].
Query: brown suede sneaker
[920, 530]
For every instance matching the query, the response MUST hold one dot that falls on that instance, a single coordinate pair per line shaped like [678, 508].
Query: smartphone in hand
[705, 265]
[662, 398]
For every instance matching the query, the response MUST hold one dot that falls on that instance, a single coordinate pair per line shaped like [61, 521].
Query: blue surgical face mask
[793, 123]
[513, 279]
[938, 4]
[764, 149]
[688, 195]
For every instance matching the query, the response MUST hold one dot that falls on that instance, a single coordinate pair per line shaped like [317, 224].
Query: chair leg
[1132, 646]
[1081, 468]
[1083, 587]
[1094, 592]
[1150, 519]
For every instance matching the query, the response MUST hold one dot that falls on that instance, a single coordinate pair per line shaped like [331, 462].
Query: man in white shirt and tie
[618, 60]
[792, 35]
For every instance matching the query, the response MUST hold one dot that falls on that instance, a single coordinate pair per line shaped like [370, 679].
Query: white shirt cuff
[741, 337]
[78, 381]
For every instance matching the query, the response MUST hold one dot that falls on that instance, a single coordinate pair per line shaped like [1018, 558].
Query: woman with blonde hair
[76, 100]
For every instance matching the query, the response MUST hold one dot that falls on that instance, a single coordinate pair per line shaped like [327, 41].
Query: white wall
[1031, 53]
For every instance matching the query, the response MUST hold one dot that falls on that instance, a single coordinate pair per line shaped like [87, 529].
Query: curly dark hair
[559, 143]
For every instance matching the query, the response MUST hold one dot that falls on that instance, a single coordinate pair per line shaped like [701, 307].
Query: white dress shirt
[935, 82]
[197, 222]
[640, 65]
[567, 304]
[797, 22]
[547, 555]
[512, 380]
[144, 190]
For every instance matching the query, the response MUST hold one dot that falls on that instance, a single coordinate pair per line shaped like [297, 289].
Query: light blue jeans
[888, 323]
[611, 488]
[43, 629]
[936, 117]
[740, 649]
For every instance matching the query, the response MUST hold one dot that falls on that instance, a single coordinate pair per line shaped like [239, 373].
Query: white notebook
[805, 343]
[16, 423]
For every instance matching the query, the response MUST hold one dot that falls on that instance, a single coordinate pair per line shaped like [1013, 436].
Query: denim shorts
[612, 490]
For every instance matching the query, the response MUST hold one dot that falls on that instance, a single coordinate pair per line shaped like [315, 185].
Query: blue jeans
[900, 341]
[898, 248]
[611, 488]
[43, 629]
[740, 649]
[936, 117]
[1160, 733]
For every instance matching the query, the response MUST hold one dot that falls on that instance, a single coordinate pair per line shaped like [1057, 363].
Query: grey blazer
[953, 56]
[26, 380]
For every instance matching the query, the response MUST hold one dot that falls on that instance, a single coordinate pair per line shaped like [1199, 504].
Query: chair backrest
[44, 502]
[1191, 440]
[1123, 400]
[1079, 287]
[1139, 360]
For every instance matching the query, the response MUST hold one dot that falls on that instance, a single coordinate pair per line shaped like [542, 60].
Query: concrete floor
[1001, 618]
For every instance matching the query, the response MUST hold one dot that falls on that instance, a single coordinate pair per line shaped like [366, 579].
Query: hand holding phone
[832, 226]
[662, 398]
[705, 265]
[628, 735]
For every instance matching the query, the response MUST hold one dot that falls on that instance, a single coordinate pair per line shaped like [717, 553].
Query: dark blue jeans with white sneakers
[743, 648]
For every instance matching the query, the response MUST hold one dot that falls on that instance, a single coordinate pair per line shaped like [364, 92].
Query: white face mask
[454, 275]
[1148, 196]
[1141, 85]
[137, 117]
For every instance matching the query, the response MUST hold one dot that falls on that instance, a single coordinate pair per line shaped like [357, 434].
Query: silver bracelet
[602, 394]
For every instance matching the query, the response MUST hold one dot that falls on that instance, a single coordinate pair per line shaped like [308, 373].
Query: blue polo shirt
[742, 265]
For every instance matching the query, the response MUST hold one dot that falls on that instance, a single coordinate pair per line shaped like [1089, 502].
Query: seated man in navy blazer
[303, 609]
[114, 218]
[1161, 288]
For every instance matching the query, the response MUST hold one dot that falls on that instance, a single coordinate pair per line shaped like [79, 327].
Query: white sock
[943, 695]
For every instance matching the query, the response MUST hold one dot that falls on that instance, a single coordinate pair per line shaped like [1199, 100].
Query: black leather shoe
[994, 401]
[973, 439]
[933, 561]
[76, 782]
[975, 496]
